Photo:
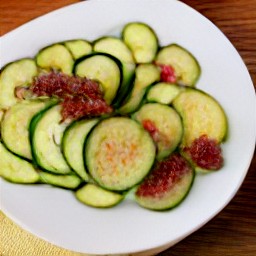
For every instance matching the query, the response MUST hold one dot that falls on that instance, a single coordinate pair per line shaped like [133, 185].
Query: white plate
[54, 214]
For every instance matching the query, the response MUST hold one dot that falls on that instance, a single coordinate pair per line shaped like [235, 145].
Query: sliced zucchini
[15, 169]
[142, 41]
[145, 75]
[163, 124]
[69, 181]
[201, 115]
[167, 184]
[73, 145]
[55, 57]
[78, 47]
[119, 153]
[46, 131]
[95, 196]
[15, 124]
[15, 74]
[104, 68]
[1, 117]
[163, 93]
[186, 67]
[116, 47]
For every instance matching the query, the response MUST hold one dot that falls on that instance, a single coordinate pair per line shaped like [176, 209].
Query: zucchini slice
[201, 115]
[186, 67]
[163, 124]
[104, 68]
[68, 181]
[119, 153]
[15, 124]
[15, 169]
[56, 57]
[15, 74]
[142, 41]
[163, 93]
[145, 75]
[78, 47]
[167, 184]
[46, 131]
[73, 145]
[116, 47]
[95, 196]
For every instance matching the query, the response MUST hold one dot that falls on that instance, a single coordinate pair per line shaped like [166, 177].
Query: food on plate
[110, 118]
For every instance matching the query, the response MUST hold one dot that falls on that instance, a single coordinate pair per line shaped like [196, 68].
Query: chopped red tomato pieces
[166, 173]
[206, 153]
[81, 97]
[167, 74]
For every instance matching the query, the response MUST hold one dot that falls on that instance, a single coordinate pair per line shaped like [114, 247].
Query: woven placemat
[14, 241]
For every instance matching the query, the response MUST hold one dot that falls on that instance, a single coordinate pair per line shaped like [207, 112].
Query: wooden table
[233, 231]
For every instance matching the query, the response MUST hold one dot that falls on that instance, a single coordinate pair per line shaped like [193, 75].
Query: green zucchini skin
[43, 136]
[16, 170]
[73, 144]
[110, 146]
[13, 75]
[99, 66]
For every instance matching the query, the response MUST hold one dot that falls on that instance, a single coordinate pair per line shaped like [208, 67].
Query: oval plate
[54, 214]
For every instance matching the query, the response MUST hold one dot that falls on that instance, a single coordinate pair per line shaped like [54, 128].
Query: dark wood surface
[233, 231]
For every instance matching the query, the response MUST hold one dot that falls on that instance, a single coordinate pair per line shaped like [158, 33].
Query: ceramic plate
[54, 214]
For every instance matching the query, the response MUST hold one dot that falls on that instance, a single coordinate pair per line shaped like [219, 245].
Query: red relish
[81, 97]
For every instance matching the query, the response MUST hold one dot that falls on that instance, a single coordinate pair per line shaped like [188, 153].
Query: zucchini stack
[161, 131]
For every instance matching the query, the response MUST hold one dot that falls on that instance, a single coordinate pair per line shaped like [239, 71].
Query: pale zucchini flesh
[186, 67]
[55, 57]
[145, 75]
[73, 145]
[78, 47]
[15, 74]
[68, 181]
[46, 131]
[104, 68]
[15, 126]
[119, 153]
[168, 124]
[15, 169]
[95, 196]
[163, 93]
[201, 115]
[142, 41]
[117, 48]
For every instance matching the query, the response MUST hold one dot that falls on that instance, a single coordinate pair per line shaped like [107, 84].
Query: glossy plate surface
[54, 214]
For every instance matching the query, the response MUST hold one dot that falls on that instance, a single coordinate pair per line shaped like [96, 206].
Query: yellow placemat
[14, 241]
